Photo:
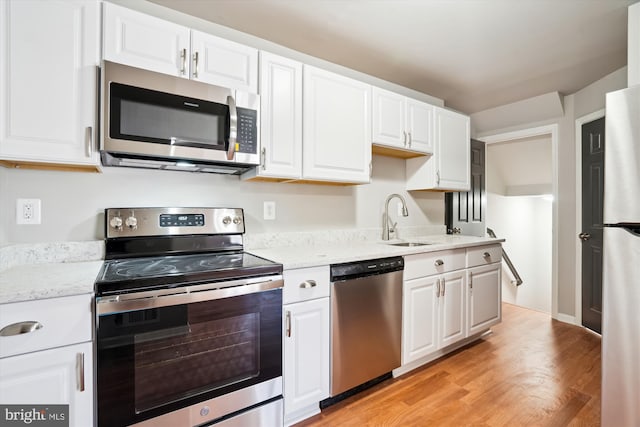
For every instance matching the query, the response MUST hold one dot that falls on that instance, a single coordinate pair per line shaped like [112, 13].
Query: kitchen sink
[408, 244]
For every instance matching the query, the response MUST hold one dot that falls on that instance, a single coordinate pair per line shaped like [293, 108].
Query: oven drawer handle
[20, 328]
[188, 294]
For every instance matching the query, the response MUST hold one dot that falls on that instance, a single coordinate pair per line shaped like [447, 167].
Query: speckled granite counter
[314, 255]
[37, 281]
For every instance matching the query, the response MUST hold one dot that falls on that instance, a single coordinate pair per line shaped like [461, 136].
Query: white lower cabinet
[51, 364]
[433, 314]
[484, 308]
[306, 342]
[51, 377]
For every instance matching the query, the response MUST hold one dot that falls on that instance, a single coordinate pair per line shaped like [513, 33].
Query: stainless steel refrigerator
[621, 266]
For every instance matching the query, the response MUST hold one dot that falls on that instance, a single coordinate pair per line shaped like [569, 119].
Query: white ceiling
[474, 54]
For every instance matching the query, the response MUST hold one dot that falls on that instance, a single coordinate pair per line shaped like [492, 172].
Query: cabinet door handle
[20, 328]
[404, 137]
[288, 324]
[438, 177]
[308, 284]
[444, 286]
[263, 152]
[439, 263]
[438, 288]
[88, 140]
[80, 371]
[195, 65]
[409, 139]
[183, 58]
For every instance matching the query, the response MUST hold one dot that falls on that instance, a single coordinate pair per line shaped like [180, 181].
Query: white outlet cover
[269, 211]
[28, 211]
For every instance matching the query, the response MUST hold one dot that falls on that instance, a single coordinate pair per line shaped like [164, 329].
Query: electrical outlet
[269, 211]
[28, 211]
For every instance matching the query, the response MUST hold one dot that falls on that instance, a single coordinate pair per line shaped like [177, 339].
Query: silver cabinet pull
[444, 286]
[233, 126]
[486, 255]
[370, 169]
[183, 58]
[288, 324]
[404, 138]
[263, 152]
[438, 177]
[20, 328]
[409, 139]
[308, 284]
[80, 371]
[439, 263]
[195, 65]
[88, 140]
[438, 288]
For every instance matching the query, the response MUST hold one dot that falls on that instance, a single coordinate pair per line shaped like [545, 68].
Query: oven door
[164, 351]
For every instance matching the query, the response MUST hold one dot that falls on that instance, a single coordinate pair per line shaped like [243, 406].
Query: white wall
[587, 100]
[525, 223]
[73, 202]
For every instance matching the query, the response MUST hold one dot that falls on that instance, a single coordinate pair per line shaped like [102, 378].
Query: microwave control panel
[247, 137]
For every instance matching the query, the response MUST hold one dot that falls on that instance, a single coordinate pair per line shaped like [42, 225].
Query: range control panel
[135, 222]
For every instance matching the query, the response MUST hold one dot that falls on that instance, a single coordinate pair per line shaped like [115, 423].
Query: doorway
[528, 204]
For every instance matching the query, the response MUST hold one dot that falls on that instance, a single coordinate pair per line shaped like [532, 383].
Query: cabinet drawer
[426, 264]
[305, 284]
[483, 255]
[64, 321]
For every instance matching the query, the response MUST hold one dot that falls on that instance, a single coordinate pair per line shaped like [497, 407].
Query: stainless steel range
[188, 325]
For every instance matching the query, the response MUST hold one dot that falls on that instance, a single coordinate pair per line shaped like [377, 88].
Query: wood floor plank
[531, 371]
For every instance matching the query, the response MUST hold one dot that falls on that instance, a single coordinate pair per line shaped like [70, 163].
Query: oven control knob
[204, 411]
[116, 222]
[226, 220]
[131, 222]
[237, 220]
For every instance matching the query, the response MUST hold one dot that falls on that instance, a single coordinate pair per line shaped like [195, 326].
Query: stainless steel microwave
[159, 121]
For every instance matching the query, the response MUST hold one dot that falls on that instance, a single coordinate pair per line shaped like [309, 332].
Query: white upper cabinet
[450, 166]
[143, 41]
[224, 63]
[49, 51]
[336, 127]
[280, 118]
[139, 40]
[401, 123]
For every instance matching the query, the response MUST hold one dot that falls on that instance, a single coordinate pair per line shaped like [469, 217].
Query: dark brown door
[465, 212]
[591, 235]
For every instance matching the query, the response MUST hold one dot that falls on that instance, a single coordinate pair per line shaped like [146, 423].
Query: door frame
[578, 244]
[552, 130]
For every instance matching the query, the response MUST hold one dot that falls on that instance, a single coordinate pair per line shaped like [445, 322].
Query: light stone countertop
[39, 281]
[303, 256]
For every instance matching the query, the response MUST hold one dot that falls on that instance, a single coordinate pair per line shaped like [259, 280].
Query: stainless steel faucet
[386, 228]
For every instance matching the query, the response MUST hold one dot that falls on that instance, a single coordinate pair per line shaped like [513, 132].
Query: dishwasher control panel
[366, 268]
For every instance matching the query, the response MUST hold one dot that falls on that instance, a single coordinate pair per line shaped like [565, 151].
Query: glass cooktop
[128, 274]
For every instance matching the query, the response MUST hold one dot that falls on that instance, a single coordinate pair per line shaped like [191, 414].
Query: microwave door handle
[233, 127]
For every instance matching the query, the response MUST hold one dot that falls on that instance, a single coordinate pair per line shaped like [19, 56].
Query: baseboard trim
[567, 319]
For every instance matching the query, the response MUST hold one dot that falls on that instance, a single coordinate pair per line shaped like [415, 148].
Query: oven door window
[157, 360]
[138, 114]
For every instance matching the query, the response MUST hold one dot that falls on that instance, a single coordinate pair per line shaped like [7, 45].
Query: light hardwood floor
[532, 371]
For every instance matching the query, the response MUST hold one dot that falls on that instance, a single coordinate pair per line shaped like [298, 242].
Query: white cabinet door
[336, 127]
[389, 118]
[280, 117]
[484, 301]
[306, 354]
[452, 151]
[420, 126]
[452, 308]
[60, 376]
[419, 318]
[144, 41]
[49, 51]
[224, 63]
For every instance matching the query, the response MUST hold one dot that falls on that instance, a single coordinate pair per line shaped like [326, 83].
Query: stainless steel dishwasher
[366, 321]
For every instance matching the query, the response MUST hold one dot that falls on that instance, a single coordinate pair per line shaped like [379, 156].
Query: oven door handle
[185, 295]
